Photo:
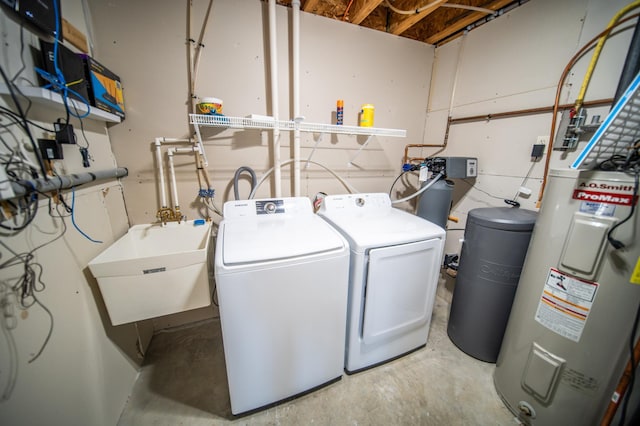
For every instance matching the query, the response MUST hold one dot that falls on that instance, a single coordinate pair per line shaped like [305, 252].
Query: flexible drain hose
[424, 188]
[236, 178]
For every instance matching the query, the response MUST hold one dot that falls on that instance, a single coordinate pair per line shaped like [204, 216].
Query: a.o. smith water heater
[568, 336]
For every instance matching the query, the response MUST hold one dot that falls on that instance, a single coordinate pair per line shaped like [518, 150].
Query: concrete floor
[183, 382]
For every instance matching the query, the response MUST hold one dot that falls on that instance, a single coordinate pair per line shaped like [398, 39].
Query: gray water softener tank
[435, 203]
[493, 252]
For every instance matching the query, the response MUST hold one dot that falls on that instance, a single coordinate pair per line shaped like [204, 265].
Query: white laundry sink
[154, 270]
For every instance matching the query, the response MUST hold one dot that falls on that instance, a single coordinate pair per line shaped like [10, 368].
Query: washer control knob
[359, 201]
[270, 208]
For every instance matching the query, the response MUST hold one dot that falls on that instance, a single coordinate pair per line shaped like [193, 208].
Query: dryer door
[401, 286]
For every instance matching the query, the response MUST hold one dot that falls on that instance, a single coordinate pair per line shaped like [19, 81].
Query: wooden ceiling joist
[401, 23]
[437, 21]
[464, 22]
[361, 9]
[310, 5]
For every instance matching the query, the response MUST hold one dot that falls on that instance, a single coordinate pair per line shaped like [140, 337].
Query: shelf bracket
[320, 138]
[364, 145]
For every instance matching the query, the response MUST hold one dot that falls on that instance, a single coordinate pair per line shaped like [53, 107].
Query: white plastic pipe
[172, 174]
[295, 4]
[273, 53]
[163, 191]
[158, 143]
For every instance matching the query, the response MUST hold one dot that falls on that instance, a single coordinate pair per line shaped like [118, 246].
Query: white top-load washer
[282, 278]
[395, 264]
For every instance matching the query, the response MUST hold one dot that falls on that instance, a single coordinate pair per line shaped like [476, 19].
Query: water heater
[568, 336]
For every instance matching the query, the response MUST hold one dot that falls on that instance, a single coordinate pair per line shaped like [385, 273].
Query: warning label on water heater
[565, 304]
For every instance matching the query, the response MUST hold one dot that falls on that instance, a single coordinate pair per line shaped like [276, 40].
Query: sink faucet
[166, 214]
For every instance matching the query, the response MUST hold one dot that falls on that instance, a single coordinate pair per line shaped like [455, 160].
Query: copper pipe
[621, 388]
[554, 109]
[498, 115]
[570, 65]
[346, 12]
[530, 111]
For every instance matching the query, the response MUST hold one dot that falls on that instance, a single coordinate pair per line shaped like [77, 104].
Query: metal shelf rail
[617, 134]
[268, 123]
[53, 99]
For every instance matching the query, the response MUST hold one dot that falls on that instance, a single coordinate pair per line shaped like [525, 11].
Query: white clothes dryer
[282, 277]
[394, 269]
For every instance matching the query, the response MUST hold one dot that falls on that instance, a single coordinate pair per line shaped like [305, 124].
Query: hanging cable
[73, 217]
[429, 5]
[598, 49]
[284, 163]
[423, 189]
[57, 81]
[554, 114]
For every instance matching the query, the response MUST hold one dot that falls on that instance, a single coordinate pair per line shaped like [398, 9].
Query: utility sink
[155, 270]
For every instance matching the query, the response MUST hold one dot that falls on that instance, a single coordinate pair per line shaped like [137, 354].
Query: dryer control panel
[292, 206]
[356, 203]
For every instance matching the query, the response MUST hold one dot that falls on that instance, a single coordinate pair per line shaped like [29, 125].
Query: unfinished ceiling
[430, 21]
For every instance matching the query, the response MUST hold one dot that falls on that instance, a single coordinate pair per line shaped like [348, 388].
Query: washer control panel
[269, 206]
[265, 208]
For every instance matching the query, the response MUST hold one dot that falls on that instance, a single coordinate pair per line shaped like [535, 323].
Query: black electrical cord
[30, 282]
[617, 244]
[22, 63]
[398, 178]
[18, 120]
[24, 123]
[512, 203]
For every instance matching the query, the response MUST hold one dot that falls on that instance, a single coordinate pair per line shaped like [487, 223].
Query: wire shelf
[617, 134]
[268, 123]
[54, 100]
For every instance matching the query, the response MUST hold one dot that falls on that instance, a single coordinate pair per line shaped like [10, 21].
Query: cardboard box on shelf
[105, 88]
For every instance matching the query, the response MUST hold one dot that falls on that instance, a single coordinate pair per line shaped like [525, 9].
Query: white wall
[509, 64]
[515, 63]
[88, 367]
[146, 47]
[86, 371]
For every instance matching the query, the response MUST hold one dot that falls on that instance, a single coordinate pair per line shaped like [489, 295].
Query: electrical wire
[23, 118]
[421, 190]
[430, 5]
[57, 81]
[556, 104]
[596, 53]
[73, 217]
[397, 179]
[31, 282]
[482, 190]
[526, 178]
[8, 322]
[617, 244]
[23, 65]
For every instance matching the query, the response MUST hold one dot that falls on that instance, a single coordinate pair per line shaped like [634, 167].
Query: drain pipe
[295, 4]
[158, 143]
[55, 183]
[273, 53]
[172, 171]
